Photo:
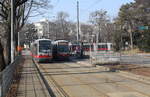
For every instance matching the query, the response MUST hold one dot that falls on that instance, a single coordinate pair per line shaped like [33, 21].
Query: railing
[0, 84]
[104, 57]
[7, 76]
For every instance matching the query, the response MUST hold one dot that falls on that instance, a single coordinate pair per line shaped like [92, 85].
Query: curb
[49, 89]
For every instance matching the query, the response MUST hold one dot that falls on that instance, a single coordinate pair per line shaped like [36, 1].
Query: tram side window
[102, 47]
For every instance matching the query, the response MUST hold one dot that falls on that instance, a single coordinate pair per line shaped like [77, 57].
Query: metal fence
[7, 77]
[104, 57]
[0, 84]
[110, 57]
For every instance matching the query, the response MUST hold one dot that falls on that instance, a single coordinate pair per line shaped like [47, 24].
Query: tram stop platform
[31, 84]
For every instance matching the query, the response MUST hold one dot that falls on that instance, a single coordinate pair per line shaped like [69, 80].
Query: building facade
[42, 29]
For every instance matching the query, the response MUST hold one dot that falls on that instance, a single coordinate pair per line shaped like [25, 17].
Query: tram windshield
[102, 46]
[44, 46]
[63, 48]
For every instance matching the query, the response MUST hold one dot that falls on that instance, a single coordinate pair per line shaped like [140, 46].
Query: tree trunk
[131, 36]
[2, 61]
[131, 40]
[8, 47]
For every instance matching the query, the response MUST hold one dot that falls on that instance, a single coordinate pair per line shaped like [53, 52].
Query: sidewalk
[31, 85]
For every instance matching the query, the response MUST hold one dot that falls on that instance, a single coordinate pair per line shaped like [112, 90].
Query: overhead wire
[92, 5]
[89, 7]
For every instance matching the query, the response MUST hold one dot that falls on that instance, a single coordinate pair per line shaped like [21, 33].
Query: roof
[40, 40]
[60, 41]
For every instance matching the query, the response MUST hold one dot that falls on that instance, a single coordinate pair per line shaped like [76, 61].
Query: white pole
[78, 22]
[12, 31]
[90, 53]
[18, 42]
[48, 29]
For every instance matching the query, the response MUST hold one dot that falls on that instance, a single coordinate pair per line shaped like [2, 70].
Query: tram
[74, 48]
[61, 49]
[41, 50]
[104, 47]
[100, 46]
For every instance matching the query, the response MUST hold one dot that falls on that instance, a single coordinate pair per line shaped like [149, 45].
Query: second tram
[61, 49]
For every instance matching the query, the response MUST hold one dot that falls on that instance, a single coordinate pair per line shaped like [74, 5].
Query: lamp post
[12, 31]
[19, 43]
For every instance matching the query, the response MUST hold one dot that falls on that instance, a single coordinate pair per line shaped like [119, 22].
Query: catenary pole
[78, 22]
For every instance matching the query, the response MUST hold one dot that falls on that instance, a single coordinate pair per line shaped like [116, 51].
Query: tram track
[130, 88]
[54, 83]
[60, 89]
[116, 82]
[108, 80]
[62, 92]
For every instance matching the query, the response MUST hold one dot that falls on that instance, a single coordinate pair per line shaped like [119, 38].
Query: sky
[85, 7]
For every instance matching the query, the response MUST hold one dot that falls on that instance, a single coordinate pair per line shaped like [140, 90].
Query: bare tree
[63, 25]
[99, 18]
[86, 31]
[22, 10]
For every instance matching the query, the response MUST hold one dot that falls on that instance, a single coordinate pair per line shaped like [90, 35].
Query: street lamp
[12, 31]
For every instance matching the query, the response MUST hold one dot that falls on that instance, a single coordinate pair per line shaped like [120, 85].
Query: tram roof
[60, 41]
[40, 40]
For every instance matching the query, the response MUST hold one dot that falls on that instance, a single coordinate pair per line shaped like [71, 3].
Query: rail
[7, 76]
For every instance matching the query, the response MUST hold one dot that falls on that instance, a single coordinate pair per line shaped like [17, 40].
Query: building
[42, 28]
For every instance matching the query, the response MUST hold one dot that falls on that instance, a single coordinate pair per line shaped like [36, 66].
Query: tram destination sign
[63, 43]
[143, 27]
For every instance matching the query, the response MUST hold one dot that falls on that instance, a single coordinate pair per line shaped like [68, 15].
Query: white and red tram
[41, 50]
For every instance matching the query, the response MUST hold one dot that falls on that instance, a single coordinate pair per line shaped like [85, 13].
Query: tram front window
[44, 46]
[44, 49]
[63, 48]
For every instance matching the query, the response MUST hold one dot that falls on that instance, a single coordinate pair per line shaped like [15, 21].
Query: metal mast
[78, 22]
[12, 30]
